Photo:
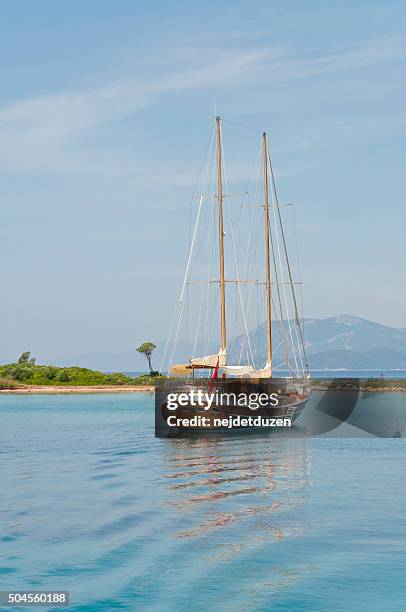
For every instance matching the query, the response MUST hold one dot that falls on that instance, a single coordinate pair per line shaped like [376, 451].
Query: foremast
[268, 257]
[223, 328]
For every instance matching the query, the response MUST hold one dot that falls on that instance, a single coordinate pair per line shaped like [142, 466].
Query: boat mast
[268, 258]
[221, 239]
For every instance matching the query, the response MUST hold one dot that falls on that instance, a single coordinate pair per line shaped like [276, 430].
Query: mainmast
[268, 257]
[221, 239]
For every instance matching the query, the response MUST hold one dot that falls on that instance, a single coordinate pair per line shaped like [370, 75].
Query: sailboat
[232, 367]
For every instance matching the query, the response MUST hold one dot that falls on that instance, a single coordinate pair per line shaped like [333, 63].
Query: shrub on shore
[7, 383]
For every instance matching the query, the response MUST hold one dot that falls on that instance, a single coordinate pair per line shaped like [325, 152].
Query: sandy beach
[386, 386]
[80, 389]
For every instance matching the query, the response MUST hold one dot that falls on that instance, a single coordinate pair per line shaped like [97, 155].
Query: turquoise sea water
[92, 503]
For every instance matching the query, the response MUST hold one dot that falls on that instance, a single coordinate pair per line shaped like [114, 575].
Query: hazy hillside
[343, 342]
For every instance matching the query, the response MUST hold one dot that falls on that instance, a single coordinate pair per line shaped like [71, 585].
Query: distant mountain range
[345, 342]
[348, 342]
[354, 343]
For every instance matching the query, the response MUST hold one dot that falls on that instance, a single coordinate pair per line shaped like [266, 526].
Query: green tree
[147, 348]
[63, 376]
[24, 357]
[50, 372]
[22, 372]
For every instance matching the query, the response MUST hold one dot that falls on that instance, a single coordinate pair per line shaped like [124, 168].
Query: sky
[106, 109]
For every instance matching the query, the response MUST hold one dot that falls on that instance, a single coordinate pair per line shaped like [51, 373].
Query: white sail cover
[180, 369]
[238, 370]
[265, 372]
[211, 361]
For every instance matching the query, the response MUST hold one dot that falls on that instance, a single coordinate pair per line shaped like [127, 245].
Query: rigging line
[210, 146]
[205, 293]
[193, 354]
[282, 370]
[253, 168]
[300, 279]
[191, 249]
[180, 308]
[300, 351]
[201, 243]
[183, 285]
[281, 322]
[210, 305]
[251, 215]
[257, 355]
[287, 261]
[300, 346]
[257, 215]
[244, 127]
[280, 319]
[282, 342]
[201, 309]
[168, 337]
[236, 260]
[246, 307]
[250, 254]
[281, 268]
[235, 320]
[180, 303]
[208, 172]
[277, 347]
[211, 327]
[209, 271]
[187, 321]
[205, 161]
[196, 225]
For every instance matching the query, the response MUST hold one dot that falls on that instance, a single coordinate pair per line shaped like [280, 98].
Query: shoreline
[364, 389]
[385, 386]
[53, 390]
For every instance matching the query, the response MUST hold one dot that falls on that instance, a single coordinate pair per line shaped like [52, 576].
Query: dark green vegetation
[26, 372]
[7, 383]
[367, 384]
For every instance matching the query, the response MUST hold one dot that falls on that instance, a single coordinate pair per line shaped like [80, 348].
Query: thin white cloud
[356, 58]
[50, 132]
[36, 131]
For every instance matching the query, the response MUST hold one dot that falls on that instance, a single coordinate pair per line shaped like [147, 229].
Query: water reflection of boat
[221, 483]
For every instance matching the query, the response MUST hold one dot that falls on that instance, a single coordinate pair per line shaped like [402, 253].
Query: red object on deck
[214, 375]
